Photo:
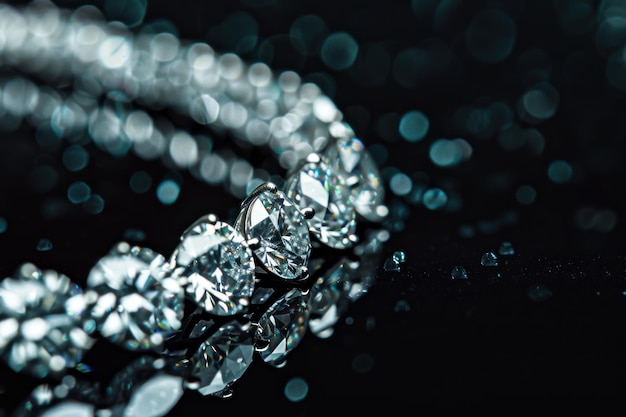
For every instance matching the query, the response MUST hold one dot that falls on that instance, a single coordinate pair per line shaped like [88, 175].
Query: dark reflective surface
[536, 91]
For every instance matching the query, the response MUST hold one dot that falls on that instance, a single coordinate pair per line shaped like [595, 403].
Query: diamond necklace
[229, 291]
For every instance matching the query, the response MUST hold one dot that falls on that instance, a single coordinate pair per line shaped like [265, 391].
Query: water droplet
[459, 272]
[391, 265]
[3, 224]
[539, 292]
[44, 245]
[399, 256]
[489, 259]
[506, 248]
[402, 306]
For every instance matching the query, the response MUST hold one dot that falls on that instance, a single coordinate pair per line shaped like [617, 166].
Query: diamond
[218, 264]
[316, 186]
[145, 388]
[348, 157]
[283, 326]
[139, 303]
[42, 322]
[279, 231]
[76, 399]
[223, 358]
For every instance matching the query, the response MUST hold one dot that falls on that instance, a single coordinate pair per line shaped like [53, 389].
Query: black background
[436, 343]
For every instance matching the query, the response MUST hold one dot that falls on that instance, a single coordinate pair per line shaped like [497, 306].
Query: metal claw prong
[308, 212]
[254, 243]
[382, 211]
[207, 218]
[313, 158]
[266, 186]
[261, 344]
[304, 275]
[352, 181]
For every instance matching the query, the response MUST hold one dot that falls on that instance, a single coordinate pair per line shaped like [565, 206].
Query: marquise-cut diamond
[349, 158]
[42, 322]
[218, 265]
[279, 230]
[283, 326]
[316, 186]
[223, 358]
[139, 303]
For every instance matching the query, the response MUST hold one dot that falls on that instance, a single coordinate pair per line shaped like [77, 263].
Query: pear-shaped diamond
[279, 231]
[218, 265]
[316, 186]
[348, 158]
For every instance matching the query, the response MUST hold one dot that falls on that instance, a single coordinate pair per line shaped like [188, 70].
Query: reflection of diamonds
[223, 358]
[329, 299]
[41, 322]
[60, 401]
[280, 230]
[139, 303]
[218, 264]
[348, 155]
[145, 388]
[283, 325]
[315, 185]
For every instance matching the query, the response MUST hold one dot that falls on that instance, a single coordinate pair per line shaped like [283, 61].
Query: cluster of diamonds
[136, 297]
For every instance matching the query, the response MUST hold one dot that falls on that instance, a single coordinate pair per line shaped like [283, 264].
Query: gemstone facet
[218, 265]
[348, 157]
[316, 186]
[139, 303]
[42, 322]
[145, 388]
[283, 326]
[223, 358]
[280, 233]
